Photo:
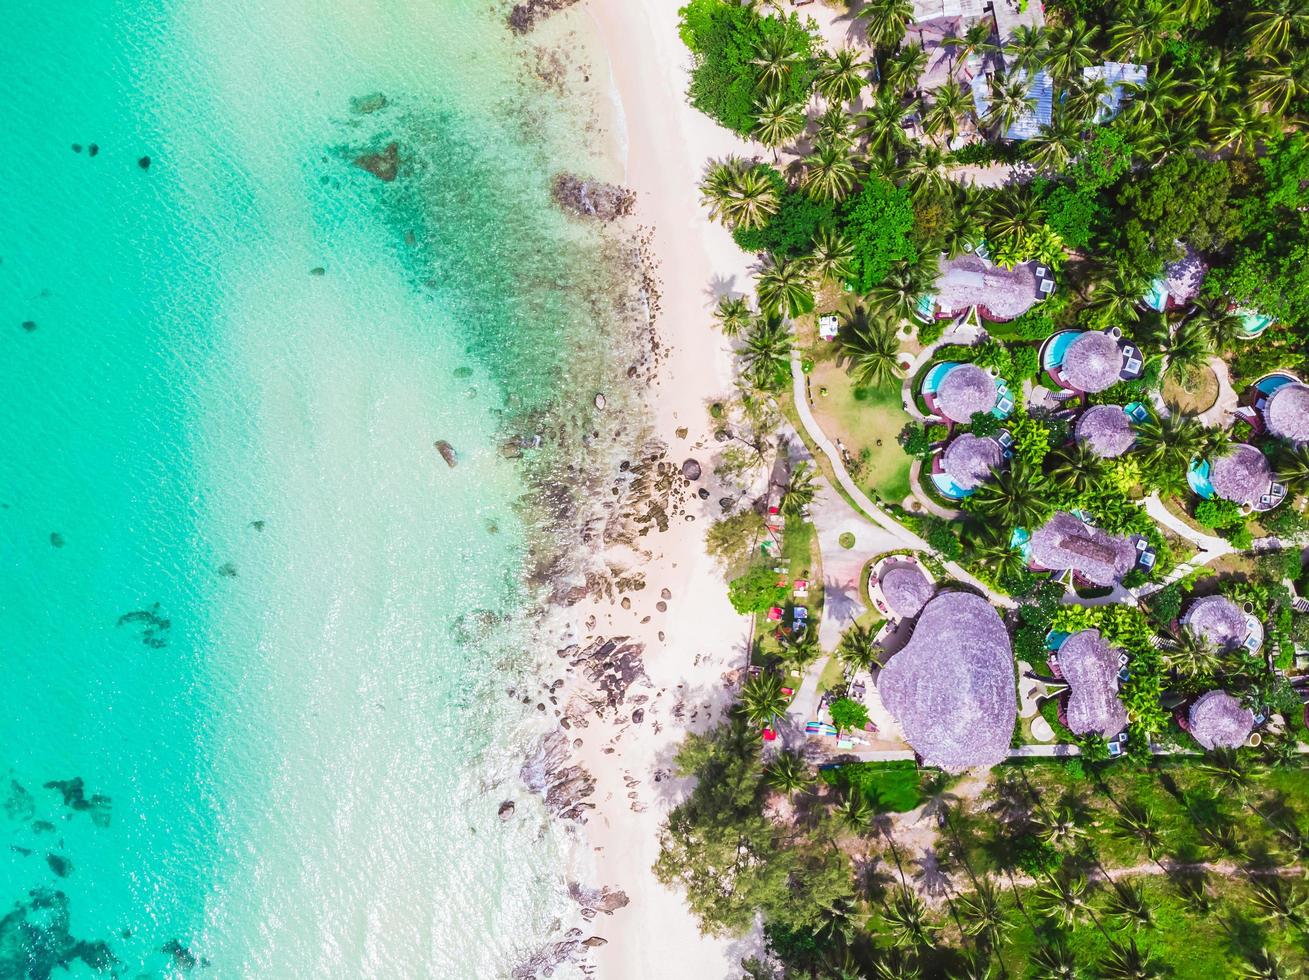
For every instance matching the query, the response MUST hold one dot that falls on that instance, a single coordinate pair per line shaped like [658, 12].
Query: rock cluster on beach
[525, 15]
[592, 198]
[564, 787]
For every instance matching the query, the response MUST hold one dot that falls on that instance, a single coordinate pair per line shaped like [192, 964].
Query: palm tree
[1085, 98]
[1055, 145]
[1170, 443]
[1212, 86]
[1262, 964]
[883, 123]
[1273, 87]
[1128, 904]
[739, 194]
[998, 557]
[1077, 468]
[788, 774]
[975, 40]
[762, 699]
[1293, 468]
[1278, 902]
[1026, 48]
[905, 68]
[898, 294]
[870, 348]
[832, 255]
[767, 353]
[802, 650]
[858, 647]
[1271, 27]
[1017, 497]
[925, 171]
[799, 491]
[1071, 50]
[1183, 349]
[1128, 962]
[984, 914]
[775, 58]
[1011, 99]
[1221, 326]
[1175, 136]
[887, 21]
[897, 964]
[1115, 297]
[1137, 824]
[1060, 826]
[829, 172]
[1242, 129]
[779, 121]
[1153, 100]
[854, 812]
[1191, 656]
[841, 76]
[1055, 961]
[1138, 37]
[1064, 900]
[907, 918]
[1015, 213]
[786, 287]
[951, 105]
[835, 126]
[733, 314]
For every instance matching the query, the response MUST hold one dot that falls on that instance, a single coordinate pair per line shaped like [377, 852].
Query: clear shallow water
[294, 745]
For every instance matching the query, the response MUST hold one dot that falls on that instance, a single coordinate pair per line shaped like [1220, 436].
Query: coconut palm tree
[984, 915]
[1027, 48]
[776, 57]
[733, 314]
[1184, 350]
[836, 925]
[905, 284]
[785, 286]
[1173, 137]
[854, 812]
[1071, 50]
[1293, 468]
[788, 773]
[975, 40]
[778, 121]
[1138, 825]
[1274, 86]
[1014, 213]
[1127, 903]
[1128, 962]
[1242, 129]
[1062, 826]
[799, 491]
[1115, 297]
[906, 917]
[1139, 36]
[1055, 145]
[1278, 902]
[858, 647]
[766, 354]
[884, 122]
[1191, 656]
[762, 699]
[1153, 100]
[1271, 27]
[897, 964]
[1085, 98]
[1011, 100]
[926, 173]
[841, 76]
[1054, 960]
[835, 126]
[1261, 964]
[1064, 900]
[832, 255]
[1076, 468]
[1166, 446]
[887, 21]
[905, 68]
[951, 105]
[998, 557]
[829, 172]
[870, 348]
[1017, 497]
[739, 195]
[802, 650]
[1211, 86]
[1222, 327]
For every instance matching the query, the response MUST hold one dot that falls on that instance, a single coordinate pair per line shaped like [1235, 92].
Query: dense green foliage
[756, 591]
[878, 223]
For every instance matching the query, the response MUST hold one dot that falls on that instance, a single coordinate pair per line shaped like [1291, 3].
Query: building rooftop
[1091, 666]
[1027, 125]
[1287, 413]
[905, 588]
[1106, 429]
[971, 460]
[1218, 620]
[970, 280]
[964, 390]
[1242, 476]
[1117, 74]
[952, 685]
[1218, 720]
[1092, 362]
[1066, 542]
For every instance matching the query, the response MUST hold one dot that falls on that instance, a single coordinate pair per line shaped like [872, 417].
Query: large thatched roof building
[1217, 620]
[1066, 542]
[952, 685]
[1242, 476]
[999, 294]
[1219, 721]
[1286, 413]
[1106, 429]
[905, 588]
[971, 460]
[1090, 666]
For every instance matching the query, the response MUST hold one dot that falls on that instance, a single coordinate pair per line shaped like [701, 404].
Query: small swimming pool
[1274, 381]
[1021, 541]
[1052, 356]
[1197, 475]
[936, 375]
[947, 487]
[1253, 323]
[1157, 297]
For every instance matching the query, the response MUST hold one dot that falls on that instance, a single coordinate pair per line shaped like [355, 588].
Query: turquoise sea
[256, 634]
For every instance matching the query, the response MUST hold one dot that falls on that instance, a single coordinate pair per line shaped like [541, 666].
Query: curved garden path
[1222, 412]
[923, 500]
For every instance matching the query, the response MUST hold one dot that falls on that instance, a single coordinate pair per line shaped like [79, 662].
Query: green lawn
[864, 419]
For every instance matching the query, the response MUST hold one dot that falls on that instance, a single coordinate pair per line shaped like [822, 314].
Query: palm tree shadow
[841, 600]
[720, 286]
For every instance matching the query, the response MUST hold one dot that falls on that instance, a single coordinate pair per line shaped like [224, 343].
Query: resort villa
[1178, 286]
[1107, 429]
[1069, 543]
[1089, 361]
[973, 282]
[1091, 668]
[952, 685]
[967, 461]
[1219, 621]
[955, 392]
[899, 586]
[1218, 720]
[1281, 408]
[1243, 476]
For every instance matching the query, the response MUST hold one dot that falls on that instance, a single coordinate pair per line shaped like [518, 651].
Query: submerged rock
[362, 105]
[154, 628]
[600, 400]
[525, 15]
[143, 163]
[318, 270]
[56, 539]
[506, 811]
[29, 325]
[19, 804]
[592, 198]
[447, 452]
[385, 166]
[61, 866]
[73, 791]
[36, 941]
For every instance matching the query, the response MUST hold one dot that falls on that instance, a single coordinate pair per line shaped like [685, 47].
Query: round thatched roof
[906, 588]
[1217, 619]
[970, 460]
[965, 389]
[1242, 476]
[1067, 542]
[1106, 429]
[1092, 361]
[1287, 413]
[1090, 666]
[1218, 720]
[952, 685]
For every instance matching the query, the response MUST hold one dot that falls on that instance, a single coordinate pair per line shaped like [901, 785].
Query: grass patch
[891, 787]
[866, 421]
[846, 540]
[1198, 394]
[832, 675]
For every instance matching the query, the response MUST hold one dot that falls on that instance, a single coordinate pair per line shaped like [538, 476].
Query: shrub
[848, 715]
[916, 439]
[756, 591]
[1218, 513]
[943, 539]
[878, 223]
[1025, 363]
[1035, 324]
[930, 333]
[985, 424]
[790, 232]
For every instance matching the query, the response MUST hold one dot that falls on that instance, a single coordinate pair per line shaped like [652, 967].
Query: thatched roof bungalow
[967, 462]
[1242, 476]
[1179, 284]
[961, 391]
[969, 280]
[1107, 429]
[1066, 542]
[1218, 720]
[1091, 666]
[952, 685]
[1286, 413]
[905, 588]
[1218, 620]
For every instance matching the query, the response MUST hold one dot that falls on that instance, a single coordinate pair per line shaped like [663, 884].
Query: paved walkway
[917, 494]
[870, 509]
[1205, 542]
[959, 332]
[843, 599]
